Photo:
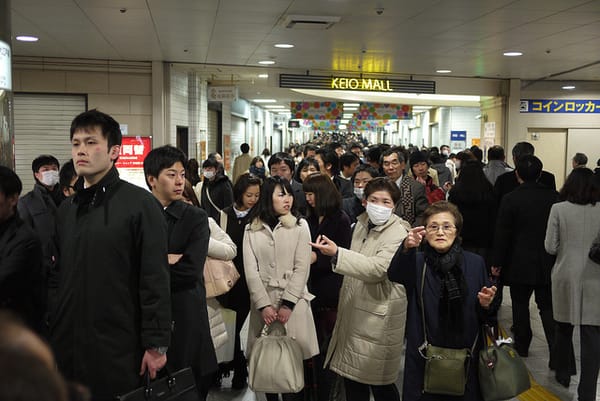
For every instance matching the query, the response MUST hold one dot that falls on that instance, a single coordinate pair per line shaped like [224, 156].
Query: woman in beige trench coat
[276, 262]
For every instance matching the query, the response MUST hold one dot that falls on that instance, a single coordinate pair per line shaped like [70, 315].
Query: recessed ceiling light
[264, 100]
[27, 38]
[443, 71]
[284, 45]
[274, 106]
[569, 87]
[266, 62]
[513, 54]
[263, 75]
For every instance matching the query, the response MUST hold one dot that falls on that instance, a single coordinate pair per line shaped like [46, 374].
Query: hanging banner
[380, 111]
[367, 125]
[326, 125]
[316, 110]
[130, 164]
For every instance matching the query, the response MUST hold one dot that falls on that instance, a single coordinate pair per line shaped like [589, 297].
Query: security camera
[379, 10]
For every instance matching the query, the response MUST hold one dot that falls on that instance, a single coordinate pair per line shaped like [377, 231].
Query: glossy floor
[537, 362]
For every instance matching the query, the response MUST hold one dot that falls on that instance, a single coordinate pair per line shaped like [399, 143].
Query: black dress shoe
[564, 380]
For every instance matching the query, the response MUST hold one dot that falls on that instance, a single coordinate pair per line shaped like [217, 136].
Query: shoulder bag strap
[211, 201]
[423, 307]
[223, 220]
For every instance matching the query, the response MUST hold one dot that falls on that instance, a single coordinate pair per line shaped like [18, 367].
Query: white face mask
[208, 174]
[359, 192]
[445, 152]
[378, 215]
[50, 178]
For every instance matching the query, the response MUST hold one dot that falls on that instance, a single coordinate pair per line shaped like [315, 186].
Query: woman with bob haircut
[276, 262]
[325, 217]
[572, 226]
[366, 344]
[456, 296]
[306, 167]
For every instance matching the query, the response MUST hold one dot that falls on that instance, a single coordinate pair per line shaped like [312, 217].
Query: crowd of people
[362, 252]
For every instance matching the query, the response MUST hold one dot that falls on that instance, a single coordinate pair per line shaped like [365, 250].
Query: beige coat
[277, 265]
[220, 246]
[367, 340]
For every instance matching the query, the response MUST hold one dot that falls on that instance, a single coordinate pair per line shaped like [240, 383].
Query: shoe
[563, 380]
[240, 377]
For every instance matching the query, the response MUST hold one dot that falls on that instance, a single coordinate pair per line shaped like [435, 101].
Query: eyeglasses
[434, 228]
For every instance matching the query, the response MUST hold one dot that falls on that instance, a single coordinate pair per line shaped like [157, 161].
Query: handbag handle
[268, 329]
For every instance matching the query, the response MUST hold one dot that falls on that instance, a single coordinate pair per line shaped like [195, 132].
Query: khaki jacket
[366, 344]
[277, 264]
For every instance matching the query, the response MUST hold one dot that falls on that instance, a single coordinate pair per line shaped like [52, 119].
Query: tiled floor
[537, 362]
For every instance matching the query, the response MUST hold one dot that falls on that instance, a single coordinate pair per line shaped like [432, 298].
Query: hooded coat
[366, 344]
[277, 265]
[113, 298]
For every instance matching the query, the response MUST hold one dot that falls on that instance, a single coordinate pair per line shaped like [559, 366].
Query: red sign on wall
[134, 150]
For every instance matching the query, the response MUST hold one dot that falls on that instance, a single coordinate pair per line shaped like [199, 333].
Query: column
[7, 151]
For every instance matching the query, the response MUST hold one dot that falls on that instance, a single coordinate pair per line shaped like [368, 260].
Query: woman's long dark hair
[265, 210]
[328, 200]
[471, 185]
[578, 187]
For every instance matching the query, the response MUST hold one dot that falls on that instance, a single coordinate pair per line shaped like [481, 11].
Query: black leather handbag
[178, 386]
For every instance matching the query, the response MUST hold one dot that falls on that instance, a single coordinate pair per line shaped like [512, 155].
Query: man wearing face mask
[371, 309]
[38, 207]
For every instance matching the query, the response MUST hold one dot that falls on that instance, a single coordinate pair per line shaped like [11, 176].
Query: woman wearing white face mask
[366, 344]
[217, 191]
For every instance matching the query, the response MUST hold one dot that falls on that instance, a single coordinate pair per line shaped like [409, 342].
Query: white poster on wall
[489, 130]
[5, 70]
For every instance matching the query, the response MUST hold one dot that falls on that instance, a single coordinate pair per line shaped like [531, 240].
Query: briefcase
[178, 386]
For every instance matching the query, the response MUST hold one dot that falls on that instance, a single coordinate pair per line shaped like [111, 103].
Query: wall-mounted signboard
[574, 106]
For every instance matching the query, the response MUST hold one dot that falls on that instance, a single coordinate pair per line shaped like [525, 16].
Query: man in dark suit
[519, 252]
[188, 236]
[507, 182]
[329, 164]
[282, 164]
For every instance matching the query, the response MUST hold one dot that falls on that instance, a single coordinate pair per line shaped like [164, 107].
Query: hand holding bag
[502, 373]
[446, 369]
[275, 364]
[178, 386]
[219, 276]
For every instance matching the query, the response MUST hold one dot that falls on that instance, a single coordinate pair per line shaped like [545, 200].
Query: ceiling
[560, 39]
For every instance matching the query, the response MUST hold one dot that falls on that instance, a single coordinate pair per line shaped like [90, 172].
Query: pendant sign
[363, 84]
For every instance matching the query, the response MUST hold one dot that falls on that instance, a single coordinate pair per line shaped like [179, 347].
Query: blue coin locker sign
[572, 106]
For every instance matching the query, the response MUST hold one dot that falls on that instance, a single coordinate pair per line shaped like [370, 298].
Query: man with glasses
[413, 201]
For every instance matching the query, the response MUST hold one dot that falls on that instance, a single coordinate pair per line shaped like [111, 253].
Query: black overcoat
[113, 299]
[520, 233]
[406, 269]
[191, 344]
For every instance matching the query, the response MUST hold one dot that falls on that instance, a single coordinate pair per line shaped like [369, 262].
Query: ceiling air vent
[314, 22]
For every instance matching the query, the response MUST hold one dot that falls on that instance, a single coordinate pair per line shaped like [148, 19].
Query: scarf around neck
[453, 286]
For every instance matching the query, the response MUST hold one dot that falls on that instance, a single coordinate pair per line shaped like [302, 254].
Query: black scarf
[453, 288]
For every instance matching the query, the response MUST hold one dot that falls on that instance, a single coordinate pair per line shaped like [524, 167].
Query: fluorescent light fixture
[569, 87]
[350, 108]
[342, 126]
[263, 75]
[351, 105]
[422, 107]
[443, 71]
[274, 106]
[513, 54]
[264, 100]
[285, 113]
[344, 121]
[347, 115]
[284, 45]
[27, 38]
[266, 62]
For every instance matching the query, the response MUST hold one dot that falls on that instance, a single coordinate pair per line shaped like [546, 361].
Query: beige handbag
[275, 364]
[219, 276]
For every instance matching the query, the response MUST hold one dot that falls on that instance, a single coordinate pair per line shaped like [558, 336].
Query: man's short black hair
[347, 159]
[90, 119]
[44, 160]
[66, 174]
[580, 159]
[496, 152]
[161, 158]
[393, 151]
[367, 169]
[522, 149]
[529, 168]
[310, 146]
[329, 156]
[245, 148]
[282, 157]
[10, 183]
[477, 152]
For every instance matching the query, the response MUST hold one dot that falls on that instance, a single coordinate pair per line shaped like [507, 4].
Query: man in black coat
[189, 234]
[282, 164]
[21, 275]
[507, 182]
[329, 164]
[111, 319]
[519, 251]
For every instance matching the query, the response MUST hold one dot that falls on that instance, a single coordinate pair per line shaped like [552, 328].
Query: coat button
[272, 264]
[271, 243]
